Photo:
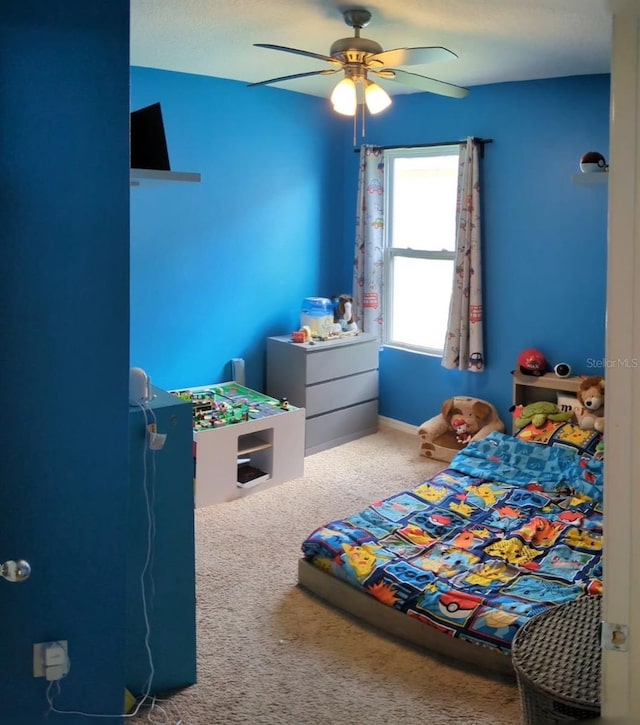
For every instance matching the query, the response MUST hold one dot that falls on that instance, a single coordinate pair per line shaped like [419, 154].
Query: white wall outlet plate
[39, 656]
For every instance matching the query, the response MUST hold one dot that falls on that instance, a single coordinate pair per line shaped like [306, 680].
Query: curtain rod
[480, 141]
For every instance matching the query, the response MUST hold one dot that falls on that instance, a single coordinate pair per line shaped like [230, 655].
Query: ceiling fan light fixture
[357, 57]
[376, 98]
[344, 97]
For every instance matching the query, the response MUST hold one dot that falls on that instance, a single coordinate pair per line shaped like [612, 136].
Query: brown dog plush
[590, 414]
[343, 313]
[461, 420]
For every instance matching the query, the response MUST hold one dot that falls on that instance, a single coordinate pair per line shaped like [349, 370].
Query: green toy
[540, 413]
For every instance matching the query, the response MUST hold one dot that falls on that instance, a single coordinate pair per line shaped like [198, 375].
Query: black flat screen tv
[148, 141]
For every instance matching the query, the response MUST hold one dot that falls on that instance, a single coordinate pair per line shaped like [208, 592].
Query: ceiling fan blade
[307, 53]
[431, 85]
[411, 56]
[325, 72]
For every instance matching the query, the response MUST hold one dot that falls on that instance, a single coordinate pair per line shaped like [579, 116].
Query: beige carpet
[269, 653]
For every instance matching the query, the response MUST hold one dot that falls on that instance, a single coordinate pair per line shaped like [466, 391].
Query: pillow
[569, 435]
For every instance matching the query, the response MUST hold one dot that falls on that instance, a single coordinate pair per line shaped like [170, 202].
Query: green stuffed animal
[539, 413]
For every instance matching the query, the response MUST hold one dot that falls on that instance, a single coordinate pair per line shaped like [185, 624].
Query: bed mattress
[508, 530]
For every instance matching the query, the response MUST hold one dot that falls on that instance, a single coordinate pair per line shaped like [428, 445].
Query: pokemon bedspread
[508, 530]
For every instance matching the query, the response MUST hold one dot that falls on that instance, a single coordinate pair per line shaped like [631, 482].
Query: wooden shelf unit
[530, 388]
[533, 389]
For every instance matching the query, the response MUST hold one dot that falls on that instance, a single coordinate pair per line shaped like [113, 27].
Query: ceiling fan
[360, 58]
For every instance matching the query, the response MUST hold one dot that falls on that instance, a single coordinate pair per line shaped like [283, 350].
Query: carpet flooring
[270, 653]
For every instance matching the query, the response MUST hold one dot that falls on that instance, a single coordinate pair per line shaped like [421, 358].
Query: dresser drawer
[341, 393]
[341, 360]
[335, 381]
[340, 426]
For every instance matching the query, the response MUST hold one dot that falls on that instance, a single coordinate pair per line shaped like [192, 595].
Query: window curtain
[463, 347]
[368, 267]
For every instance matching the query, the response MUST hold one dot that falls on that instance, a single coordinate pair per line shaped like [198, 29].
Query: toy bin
[317, 315]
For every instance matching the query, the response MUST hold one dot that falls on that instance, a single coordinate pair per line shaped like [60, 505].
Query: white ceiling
[496, 40]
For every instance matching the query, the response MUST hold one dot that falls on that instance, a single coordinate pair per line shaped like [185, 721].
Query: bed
[511, 528]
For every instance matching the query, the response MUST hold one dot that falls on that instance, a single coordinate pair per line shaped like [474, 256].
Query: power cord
[146, 700]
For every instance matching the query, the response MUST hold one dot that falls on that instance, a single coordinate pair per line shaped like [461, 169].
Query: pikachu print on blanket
[360, 561]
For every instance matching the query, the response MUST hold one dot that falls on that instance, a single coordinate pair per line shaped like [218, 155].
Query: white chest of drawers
[335, 381]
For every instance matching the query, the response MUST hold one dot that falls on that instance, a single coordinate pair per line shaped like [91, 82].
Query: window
[420, 237]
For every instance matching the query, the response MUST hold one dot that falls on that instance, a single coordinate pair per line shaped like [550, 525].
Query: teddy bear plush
[590, 413]
[461, 420]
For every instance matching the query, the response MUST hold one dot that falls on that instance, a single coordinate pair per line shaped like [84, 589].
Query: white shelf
[596, 177]
[548, 381]
[251, 444]
[139, 177]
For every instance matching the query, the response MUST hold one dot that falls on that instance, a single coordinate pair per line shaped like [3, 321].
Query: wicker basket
[556, 657]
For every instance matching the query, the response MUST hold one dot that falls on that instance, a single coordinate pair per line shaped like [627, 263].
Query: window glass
[423, 211]
[421, 297]
[420, 235]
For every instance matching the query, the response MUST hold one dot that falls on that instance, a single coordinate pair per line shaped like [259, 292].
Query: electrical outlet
[156, 441]
[51, 659]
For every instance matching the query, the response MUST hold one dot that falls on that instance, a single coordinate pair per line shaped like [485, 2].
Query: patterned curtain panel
[464, 348]
[368, 265]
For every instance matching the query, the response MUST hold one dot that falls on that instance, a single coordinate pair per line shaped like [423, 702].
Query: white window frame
[391, 253]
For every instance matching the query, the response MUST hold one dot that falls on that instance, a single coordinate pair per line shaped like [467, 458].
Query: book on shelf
[249, 476]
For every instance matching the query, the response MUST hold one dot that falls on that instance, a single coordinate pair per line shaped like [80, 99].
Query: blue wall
[217, 267]
[273, 222]
[64, 334]
[544, 238]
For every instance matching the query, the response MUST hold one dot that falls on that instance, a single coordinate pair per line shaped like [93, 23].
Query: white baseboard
[384, 422]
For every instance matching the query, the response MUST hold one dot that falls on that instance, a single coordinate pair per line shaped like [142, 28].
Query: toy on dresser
[590, 413]
[343, 313]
